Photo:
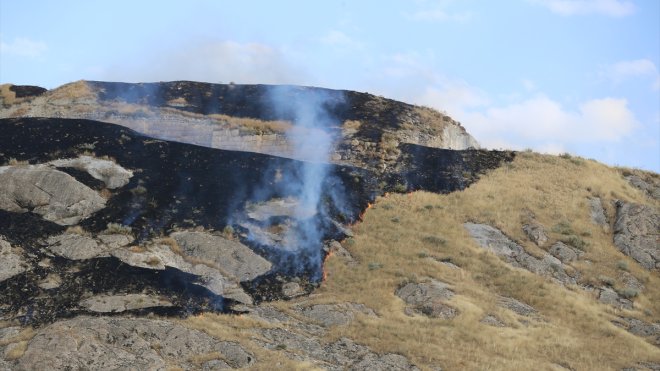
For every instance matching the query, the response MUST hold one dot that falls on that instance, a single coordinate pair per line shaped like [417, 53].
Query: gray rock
[637, 233]
[76, 247]
[292, 290]
[516, 306]
[121, 303]
[159, 256]
[651, 331]
[608, 296]
[11, 263]
[428, 298]
[630, 282]
[649, 185]
[56, 196]
[536, 233]
[232, 257]
[343, 354]
[491, 320]
[494, 240]
[335, 314]
[109, 172]
[123, 343]
[336, 249]
[115, 240]
[597, 212]
[564, 252]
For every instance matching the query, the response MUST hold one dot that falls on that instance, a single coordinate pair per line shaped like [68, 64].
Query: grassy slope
[391, 247]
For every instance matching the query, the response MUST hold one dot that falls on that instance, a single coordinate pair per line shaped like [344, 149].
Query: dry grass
[8, 97]
[255, 125]
[403, 238]
[78, 90]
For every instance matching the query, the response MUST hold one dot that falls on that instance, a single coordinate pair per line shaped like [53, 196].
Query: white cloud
[340, 39]
[613, 8]
[23, 47]
[542, 123]
[221, 61]
[626, 70]
[438, 12]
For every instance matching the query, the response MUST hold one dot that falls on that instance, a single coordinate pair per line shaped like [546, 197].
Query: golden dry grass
[403, 237]
[8, 97]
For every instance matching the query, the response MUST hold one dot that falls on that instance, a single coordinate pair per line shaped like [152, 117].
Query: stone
[635, 326]
[160, 256]
[109, 172]
[292, 290]
[343, 354]
[335, 314]
[231, 257]
[564, 252]
[336, 249]
[55, 195]
[492, 239]
[608, 296]
[11, 263]
[123, 302]
[516, 306]
[491, 320]
[76, 247]
[428, 298]
[650, 185]
[115, 240]
[124, 343]
[637, 233]
[597, 213]
[535, 232]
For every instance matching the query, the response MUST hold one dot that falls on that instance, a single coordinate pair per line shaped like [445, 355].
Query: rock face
[109, 172]
[56, 196]
[564, 252]
[536, 232]
[598, 216]
[76, 247]
[335, 314]
[637, 233]
[494, 240]
[122, 303]
[231, 257]
[11, 263]
[428, 298]
[125, 343]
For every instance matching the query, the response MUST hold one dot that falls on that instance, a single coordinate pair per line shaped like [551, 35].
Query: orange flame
[325, 269]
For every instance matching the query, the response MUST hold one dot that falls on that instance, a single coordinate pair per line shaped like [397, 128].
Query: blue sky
[577, 76]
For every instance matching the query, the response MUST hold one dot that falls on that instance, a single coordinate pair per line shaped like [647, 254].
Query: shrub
[623, 265]
[576, 242]
[374, 265]
[116, 228]
[628, 293]
[434, 240]
[563, 227]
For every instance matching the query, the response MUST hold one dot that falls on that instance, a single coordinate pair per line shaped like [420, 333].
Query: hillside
[123, 248]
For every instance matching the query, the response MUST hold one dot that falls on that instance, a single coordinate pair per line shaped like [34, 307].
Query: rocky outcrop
[126, 343]
[342, 354]
[650, 184]
[428, 298]
[109, 172]
[122, 303]
[650, 331]
[76, 247]
[494, 240]
[334, 314]
[637, 233]
[564, 252]
[597, 213]
[231, 257]
[609, 296]
[11, 263]
[56, 196]
[535, 232]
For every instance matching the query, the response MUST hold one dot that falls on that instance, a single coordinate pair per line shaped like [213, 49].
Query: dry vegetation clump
[78, 90]
[254, 125]
[7, 96]
[407, 237]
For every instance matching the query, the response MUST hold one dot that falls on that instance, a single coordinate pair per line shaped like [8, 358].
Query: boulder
[109, 172]
[494, 240]
[124, 343]
[55, 195]
[122, 302]
[650, 331]
[597, 213]
[608, 296]
[335, 314]
[564, 252]
[637, 233]
[11, 263]
[231, 257]
[428, 298]
[76, 247]
[536, 233]
[516, 306]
